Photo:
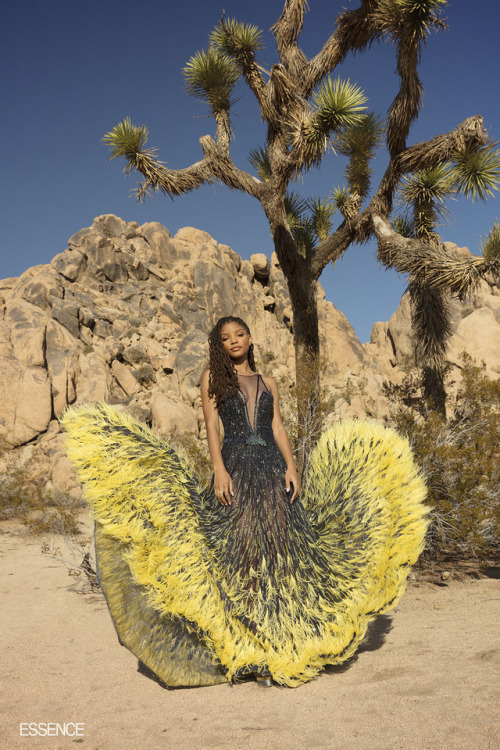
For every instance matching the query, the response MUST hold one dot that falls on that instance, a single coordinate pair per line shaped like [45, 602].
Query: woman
[249, 576]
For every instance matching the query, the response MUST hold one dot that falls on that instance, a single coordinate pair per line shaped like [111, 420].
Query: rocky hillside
[123, 315]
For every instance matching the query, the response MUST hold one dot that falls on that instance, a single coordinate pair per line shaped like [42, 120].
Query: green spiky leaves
[259, 159]
[424, 193]
[321, 212]
[403, 225]
[337, 105]
[239, 40]
[127, 140]
[491, 245]
[359, 143]
[473, 173]
[340, 198]
[211, 75]
[310, 220]
[476, 172]
[413, 19]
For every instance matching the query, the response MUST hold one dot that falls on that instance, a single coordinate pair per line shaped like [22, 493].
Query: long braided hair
[222, 380]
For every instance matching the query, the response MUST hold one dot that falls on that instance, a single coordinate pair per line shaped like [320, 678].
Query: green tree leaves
[127, 140]
[212, 75]
[476, 172]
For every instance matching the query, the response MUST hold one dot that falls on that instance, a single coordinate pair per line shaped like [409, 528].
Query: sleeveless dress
[204, 593]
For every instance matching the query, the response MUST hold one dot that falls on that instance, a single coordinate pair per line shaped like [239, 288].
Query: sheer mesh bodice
[251, 388]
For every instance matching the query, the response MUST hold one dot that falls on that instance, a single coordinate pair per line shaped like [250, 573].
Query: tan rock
[66, 326]
[39, 285]
[196, 236]
[400, 333]
[69, 263]
[479, 335]
[62, 355]
[27, 325]
[167, 362]
[172, 415]
[94, 379]
[112, 349]
[33, 404]
[452, 247]
[110, 225]
[125, 378]
[260, 263]
[63, 476]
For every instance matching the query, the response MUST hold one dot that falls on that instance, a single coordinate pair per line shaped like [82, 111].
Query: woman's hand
[292, 478]
[223, 487]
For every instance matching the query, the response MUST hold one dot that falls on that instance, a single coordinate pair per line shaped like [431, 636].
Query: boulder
[479, 335]
[66, 314]
[260, 263]
[125, 377]
[71, 331]
[93, 379]
[32, 405]
[172, 416]
[69, 263]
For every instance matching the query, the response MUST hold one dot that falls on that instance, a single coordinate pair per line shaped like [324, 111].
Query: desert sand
[426, 679]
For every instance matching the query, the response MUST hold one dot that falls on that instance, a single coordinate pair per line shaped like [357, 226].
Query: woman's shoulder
[269, 382]
[204, 378]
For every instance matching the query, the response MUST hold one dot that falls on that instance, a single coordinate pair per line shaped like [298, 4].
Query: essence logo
[50, 729]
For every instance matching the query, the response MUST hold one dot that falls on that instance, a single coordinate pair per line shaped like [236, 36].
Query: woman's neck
[244, 369]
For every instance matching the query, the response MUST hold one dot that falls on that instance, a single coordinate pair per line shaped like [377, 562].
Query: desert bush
[144, 374]
[268, 357]
[136, 354]
[460, 458]
[76, 553]
[41, 512]
[352, 389]
[131, 331]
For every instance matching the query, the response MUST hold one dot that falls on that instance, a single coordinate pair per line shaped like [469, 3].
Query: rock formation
[123, 315]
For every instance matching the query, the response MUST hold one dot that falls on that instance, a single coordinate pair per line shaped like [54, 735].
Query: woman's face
[235, 340]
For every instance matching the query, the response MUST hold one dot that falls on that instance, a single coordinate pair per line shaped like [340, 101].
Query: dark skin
[236, 342]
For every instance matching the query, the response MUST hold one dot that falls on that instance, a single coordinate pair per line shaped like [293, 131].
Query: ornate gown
[204, 593]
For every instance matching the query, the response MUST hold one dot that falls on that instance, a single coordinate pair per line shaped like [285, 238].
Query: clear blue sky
[72, 69]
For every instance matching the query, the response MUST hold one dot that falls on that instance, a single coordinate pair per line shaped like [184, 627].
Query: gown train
[203, 593]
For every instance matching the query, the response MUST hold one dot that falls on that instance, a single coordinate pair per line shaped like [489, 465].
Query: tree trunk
[431, 330]
[302, 287]
[307, 361]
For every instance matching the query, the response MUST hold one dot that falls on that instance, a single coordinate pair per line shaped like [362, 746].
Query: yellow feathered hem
[184, 613]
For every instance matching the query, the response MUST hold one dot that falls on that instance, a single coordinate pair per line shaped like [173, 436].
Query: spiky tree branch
[307, 112]
[439, 268]
[354, 31]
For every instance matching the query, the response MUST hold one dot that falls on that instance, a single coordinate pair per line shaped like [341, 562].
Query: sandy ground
[428, 678]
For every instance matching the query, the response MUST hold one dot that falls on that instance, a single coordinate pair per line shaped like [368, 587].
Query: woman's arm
[282, 441]
[223, 484]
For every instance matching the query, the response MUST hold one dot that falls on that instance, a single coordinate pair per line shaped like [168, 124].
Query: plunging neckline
[252, 423]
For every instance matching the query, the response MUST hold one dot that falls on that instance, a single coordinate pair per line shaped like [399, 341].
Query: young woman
[252, 576]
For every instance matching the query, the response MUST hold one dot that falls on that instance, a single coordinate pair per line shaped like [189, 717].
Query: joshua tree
[306, 113]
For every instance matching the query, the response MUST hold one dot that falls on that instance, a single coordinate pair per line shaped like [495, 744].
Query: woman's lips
[236, 349]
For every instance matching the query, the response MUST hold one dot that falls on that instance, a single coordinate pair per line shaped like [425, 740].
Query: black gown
[204, 593]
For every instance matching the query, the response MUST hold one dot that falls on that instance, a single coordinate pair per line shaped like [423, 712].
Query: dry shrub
[76, 552]
[41, 512]
[460, 457]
